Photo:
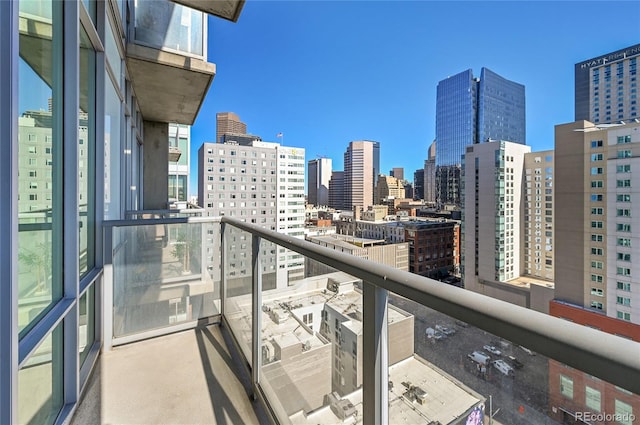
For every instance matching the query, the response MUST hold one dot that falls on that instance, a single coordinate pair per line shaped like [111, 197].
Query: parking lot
[521, 398]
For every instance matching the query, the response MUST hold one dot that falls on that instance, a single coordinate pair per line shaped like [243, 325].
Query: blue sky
[325, 73]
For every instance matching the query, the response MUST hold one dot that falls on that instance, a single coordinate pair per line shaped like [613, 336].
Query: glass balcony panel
[311, 339]
[40, 395]
[163, 24]
[163, 275]
[239, 273]
[458, 370]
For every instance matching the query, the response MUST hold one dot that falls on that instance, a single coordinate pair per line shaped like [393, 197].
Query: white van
[480, 357]
[504, 368]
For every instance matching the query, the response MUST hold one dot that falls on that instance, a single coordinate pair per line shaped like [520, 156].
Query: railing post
[256, 295]
[223, 274]
[375, 356]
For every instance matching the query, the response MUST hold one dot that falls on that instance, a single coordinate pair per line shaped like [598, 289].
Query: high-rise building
[336, 190]
[492, 226]
[473, 110]
[418, 184]
[388, 187]
[597, 243]
[397, 172]
[361, 168]
[228, 122]
[538, 208]
[430, 175]
[242, 181]
[179, 160]
[318, 177]
[595, 209]
[606, 87]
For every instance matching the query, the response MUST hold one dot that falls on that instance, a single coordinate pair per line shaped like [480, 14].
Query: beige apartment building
[597, 217]
[538, 209]
[388, 187]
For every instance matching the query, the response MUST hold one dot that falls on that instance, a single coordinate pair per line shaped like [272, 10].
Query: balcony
[167, 61]
[204, 319]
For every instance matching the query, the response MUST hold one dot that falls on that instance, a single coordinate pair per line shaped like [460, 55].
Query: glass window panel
[112, 156]
[86, 323]
[86, 154]
[39, 161]
[40, 395]
[113, 54]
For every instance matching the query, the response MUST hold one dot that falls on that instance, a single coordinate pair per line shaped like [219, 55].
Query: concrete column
[156, 166]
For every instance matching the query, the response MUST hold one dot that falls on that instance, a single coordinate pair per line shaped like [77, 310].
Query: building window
[597, 291]
[592, 398]
[596, 278]
[623, 168]
[623, 301]
[596, 143]
[623, 183]
[624, 286]
[624, 139]
[566, 386]
[623, 315]
[597, 238]
[597, 184]
[596, 305]
[623, 241]
[597, 170]
[623, 197]
[620, 227]
[623, 412]
[623, 212]
[624, 153]
[597, 224]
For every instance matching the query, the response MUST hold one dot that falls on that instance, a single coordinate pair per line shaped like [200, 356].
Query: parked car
[526, 350]
[503, 368]
[492, 349]
[445, 330]
[515, 362]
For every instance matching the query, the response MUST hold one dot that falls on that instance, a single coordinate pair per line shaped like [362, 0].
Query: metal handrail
[606, 356]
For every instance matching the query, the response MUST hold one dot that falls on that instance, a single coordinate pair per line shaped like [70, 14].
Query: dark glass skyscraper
[473, 110]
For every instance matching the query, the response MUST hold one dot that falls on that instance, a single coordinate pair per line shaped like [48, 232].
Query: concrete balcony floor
[188, 377]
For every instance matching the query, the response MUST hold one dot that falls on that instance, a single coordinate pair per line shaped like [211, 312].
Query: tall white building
[260, 183]
[319, 175]
[492, 214]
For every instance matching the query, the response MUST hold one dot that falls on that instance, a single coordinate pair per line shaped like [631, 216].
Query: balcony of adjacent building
[190, 333]
[169, 43]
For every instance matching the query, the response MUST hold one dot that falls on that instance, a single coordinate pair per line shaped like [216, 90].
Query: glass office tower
[473, 110]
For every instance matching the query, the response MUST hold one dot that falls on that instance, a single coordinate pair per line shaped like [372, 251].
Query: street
[521, 399]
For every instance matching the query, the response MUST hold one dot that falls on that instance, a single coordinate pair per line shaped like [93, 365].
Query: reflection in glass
[86, 154]
[39, 161]
[86, 322]
[112, 153]
[40, 395]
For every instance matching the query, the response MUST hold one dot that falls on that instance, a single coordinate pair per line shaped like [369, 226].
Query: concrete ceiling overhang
[226, 9]
[169, 87]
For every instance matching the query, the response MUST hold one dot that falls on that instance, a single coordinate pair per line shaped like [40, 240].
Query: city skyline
[323, 89]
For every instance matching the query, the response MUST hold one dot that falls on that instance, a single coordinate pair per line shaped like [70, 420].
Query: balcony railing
[331, 337]
[170, 26]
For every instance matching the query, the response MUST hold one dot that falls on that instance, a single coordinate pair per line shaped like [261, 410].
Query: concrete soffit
[169, 87]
